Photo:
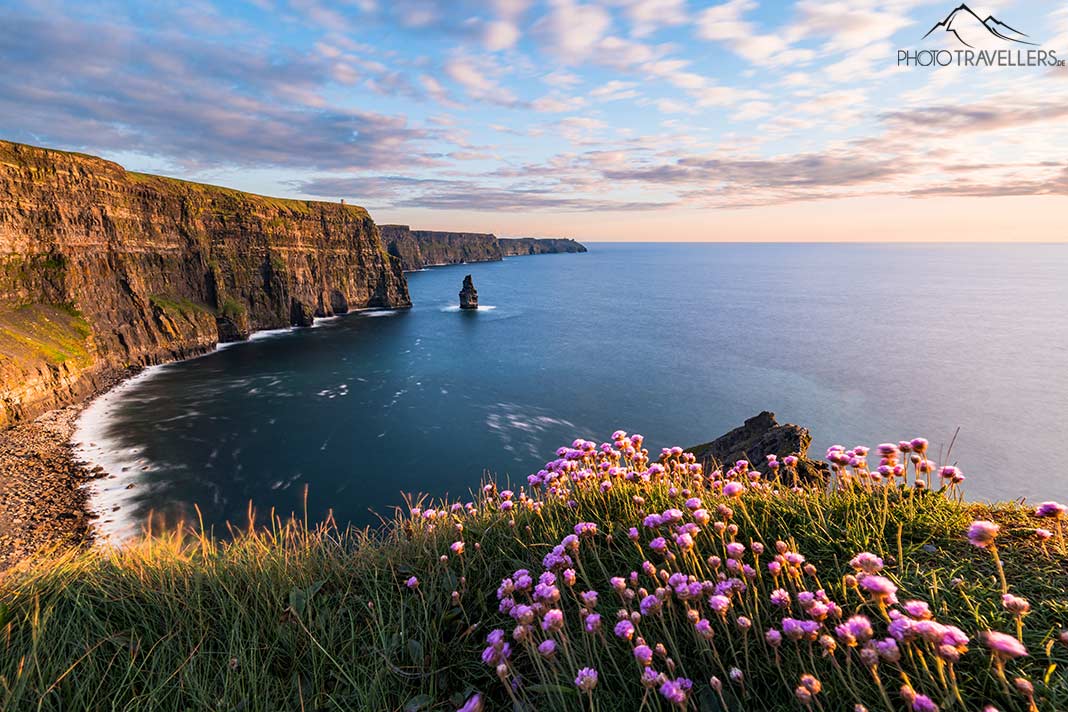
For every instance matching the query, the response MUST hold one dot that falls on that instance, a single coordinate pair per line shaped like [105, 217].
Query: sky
[595, 119]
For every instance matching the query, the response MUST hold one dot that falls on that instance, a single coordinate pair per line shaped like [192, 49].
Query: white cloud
[499, 34]
[726, 23]
[614, 90]
[571, 30]
[473, 78]
[648, 16]
[556, 104]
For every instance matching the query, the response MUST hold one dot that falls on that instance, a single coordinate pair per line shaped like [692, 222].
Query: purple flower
[553, 620]
[923, 703]
[881, 588]
[719, 603]
[673, 692]
[547, 648]
[473, 704]
[735, 550]
[1015, 604]
[659, 545]
[592, 623]
[457, 547]
[650, 605]
[586, 679]
[867, 562]
[733, 489]
[1004, 646]
[412, 583]
[1053, 510]
[917, 609]
[644, 655]
[982, 533]
[585, 529]
[624, 629]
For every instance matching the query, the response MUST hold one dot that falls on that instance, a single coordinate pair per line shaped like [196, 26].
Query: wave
[111, 497]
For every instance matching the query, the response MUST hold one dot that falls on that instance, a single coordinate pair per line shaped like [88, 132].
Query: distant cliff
[514, 246]
[102, 268]
[415, 249]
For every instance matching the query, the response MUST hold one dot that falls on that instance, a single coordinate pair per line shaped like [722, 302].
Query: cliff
[515, 246]
[102, 268]
[416, 249]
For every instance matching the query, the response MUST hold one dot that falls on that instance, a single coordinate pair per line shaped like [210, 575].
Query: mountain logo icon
[970, 30]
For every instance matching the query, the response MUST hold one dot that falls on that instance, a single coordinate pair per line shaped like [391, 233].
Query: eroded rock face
[160, 269]
[468, 294]
[759, 437]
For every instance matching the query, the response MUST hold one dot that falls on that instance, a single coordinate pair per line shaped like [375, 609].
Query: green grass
[232, 309]
[55, 334]
[180, 305]
[286, 617]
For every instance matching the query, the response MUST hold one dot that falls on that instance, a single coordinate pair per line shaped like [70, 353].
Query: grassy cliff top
[25, 156]
[612, 582]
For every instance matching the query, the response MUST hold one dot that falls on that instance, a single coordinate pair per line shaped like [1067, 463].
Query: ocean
[860, 343]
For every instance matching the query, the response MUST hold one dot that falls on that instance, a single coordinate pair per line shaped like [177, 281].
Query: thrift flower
[982, 533]
[586, 679]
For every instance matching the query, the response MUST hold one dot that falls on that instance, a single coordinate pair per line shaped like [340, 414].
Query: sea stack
[468, 295]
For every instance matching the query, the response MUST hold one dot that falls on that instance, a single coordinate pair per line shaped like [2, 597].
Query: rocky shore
[43, 501]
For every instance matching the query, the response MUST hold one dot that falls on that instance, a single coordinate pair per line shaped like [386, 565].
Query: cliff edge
[102, 269]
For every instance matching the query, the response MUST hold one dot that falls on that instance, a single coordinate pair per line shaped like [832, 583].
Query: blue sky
[602, 119]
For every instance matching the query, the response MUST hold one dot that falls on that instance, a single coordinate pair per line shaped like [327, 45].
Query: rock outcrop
[468, 294]
[759, 437]
[102, 268]
[416, 249]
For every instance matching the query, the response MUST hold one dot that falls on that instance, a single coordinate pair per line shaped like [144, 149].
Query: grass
[54, 334]
[180, 305]
[286, 616]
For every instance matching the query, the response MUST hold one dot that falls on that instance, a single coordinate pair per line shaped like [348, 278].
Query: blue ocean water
[681, 342]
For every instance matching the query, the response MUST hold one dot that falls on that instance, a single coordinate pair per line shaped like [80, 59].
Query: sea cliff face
[416, 249]
[102, 268]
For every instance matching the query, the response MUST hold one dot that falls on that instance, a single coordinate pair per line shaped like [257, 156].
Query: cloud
[964, 118]
[457, 194]
[474, 78]
[725, 23]
[614, 90]
[847, 24]
[571, 30]
[499, 35]
[648, 16]
[198, 103]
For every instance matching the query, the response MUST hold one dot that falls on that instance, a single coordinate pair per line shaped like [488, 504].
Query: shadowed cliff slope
[102, 268]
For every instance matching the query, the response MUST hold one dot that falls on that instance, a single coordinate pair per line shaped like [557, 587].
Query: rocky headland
[102, 268]
[756, 439]
[418, 249]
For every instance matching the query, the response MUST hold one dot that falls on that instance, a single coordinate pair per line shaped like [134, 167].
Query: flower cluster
[709, 599]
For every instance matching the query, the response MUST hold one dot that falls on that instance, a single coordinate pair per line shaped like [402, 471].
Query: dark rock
[759, 437]
[468, 295]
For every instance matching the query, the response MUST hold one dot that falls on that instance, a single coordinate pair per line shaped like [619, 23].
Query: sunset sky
[595, 119]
